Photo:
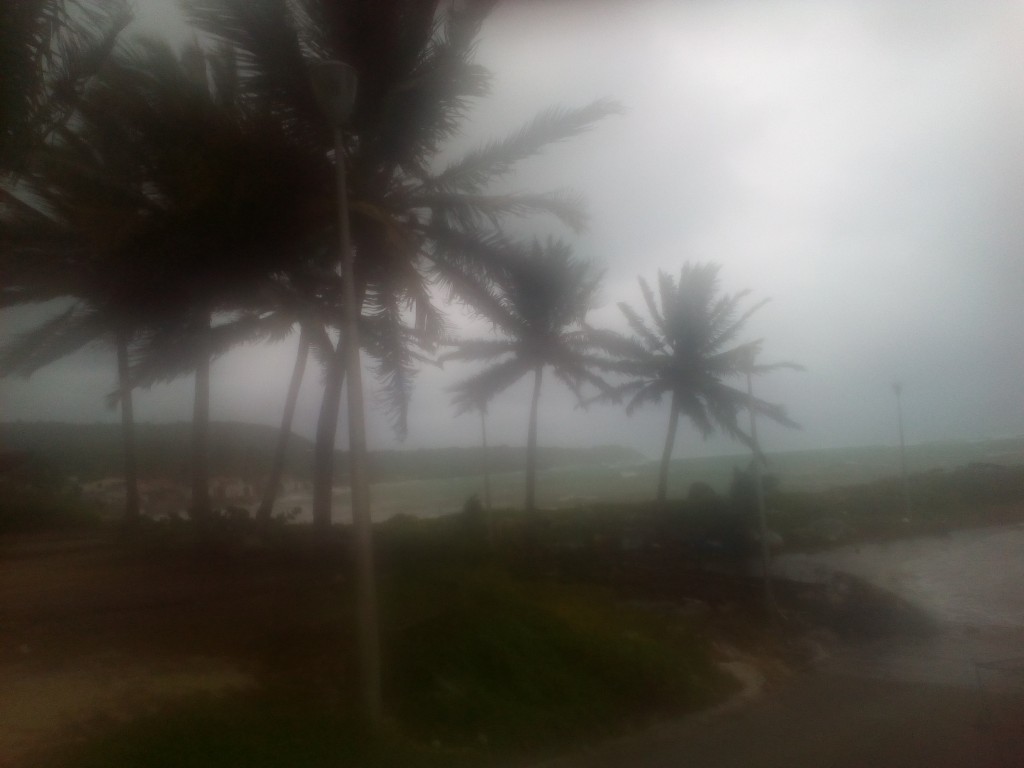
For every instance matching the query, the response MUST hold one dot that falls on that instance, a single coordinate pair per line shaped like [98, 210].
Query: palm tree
[164, 171]
[273, 481]
[538, 309]
[413, 224]
[48, 50]
[687, 352]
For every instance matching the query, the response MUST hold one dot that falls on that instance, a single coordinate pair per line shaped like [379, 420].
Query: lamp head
[334, 85]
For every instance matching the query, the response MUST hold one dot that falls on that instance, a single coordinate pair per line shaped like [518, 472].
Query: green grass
[478, 666]
[510, 665]
[255, 732]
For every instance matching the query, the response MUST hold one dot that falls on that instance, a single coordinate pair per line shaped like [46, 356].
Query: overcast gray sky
[861, 163]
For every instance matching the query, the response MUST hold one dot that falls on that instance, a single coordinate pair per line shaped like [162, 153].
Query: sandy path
[76, 644]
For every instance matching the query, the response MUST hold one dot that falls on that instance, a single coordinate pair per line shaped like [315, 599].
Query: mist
[859, 164]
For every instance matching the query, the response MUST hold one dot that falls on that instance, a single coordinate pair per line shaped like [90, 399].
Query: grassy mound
[478, 666]
[509, 665]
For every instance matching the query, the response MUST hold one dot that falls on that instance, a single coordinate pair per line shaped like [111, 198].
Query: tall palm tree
[538, 310]
[413, 223]
[688, 353]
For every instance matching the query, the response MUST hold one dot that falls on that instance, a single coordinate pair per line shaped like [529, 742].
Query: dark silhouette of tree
[218, 171]
[688, 352]
[412, 224]
[188, 195]
[538, 309]
[273, 479]
[48, 50]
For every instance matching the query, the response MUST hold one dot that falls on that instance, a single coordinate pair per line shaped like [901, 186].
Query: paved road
[865, 709]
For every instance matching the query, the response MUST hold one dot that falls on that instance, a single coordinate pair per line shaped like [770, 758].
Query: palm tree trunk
[531, 445]
[281, 450]
[326, 433]
[201, 430]
[666, 455]
[131, 476]
[362, 523]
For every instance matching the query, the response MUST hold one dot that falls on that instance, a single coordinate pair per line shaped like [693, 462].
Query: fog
[860, 163]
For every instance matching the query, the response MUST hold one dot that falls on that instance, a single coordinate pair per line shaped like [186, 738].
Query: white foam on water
[973, 577]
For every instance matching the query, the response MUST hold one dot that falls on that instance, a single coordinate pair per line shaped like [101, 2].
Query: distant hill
[90, 451]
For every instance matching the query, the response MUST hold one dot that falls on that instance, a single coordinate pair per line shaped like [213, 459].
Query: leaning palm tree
[688, 353]
[538, 309]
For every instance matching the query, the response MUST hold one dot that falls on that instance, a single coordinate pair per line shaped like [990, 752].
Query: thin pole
[366, 597]
[131, 472]
[486, 469]
[769, 595]
[897, 388]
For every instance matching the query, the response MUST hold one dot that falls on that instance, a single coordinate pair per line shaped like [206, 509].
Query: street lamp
[762, 522]
[334, 86]
[897, 388]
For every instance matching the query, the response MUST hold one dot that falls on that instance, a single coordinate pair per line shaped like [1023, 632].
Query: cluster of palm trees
[686, 353]
[179, 200]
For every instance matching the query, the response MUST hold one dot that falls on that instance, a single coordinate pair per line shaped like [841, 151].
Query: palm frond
[725, 332]
[645, 336]
[652, 306]
[51, 340]
[479, 350]
[481, 388]
[645, 392]
[468, 211]
[385, 338]
[498, 158]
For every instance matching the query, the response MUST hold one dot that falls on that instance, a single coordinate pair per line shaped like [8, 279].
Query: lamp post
[762, 522]
[897, 388]
[334, 85]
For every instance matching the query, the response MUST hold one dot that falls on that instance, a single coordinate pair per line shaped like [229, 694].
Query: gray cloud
[861, 163]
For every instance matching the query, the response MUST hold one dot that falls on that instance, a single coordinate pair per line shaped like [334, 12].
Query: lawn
[485, 661]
